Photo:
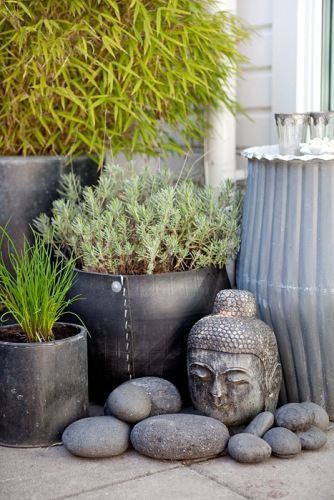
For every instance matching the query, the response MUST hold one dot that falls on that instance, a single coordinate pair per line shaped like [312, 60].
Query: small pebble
[179, 437]
[312, 439]
[260, 424]
[321, 418]
[97, 437]
[295, 417]
[129, 403]
[248, 448]
[283, 442]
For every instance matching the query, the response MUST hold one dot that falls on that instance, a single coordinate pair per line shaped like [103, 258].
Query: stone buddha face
[227, 386]
[234, 371]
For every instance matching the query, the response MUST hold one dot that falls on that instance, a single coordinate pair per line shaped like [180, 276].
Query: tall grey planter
[287, 260]
[28, 186]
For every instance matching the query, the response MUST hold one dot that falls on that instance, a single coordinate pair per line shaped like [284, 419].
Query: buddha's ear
[274, 381]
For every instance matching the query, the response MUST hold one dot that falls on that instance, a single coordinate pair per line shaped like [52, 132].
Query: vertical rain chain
[117, 287]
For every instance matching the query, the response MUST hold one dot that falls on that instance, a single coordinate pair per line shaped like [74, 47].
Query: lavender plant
[132, 223]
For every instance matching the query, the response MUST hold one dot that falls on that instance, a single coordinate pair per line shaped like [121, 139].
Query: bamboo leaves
[88, 76]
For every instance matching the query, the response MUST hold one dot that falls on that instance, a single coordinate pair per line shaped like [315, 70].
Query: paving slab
[181, 483]
[309, 476]
[52, 473]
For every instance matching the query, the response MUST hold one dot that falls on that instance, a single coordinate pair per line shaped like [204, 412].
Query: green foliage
[88, 75]
[34, 292]
[142, 224]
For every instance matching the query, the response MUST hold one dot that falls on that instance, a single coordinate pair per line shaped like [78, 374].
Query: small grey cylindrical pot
[43, 389]
[287, 260]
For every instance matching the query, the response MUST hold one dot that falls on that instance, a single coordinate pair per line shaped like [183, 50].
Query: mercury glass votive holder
[292, 130]
[322, 125]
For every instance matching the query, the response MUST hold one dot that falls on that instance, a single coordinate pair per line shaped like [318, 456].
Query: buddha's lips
[219, 401]
[223, 404]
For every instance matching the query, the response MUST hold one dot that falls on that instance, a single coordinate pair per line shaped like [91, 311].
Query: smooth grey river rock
[128, 402]
[294, 417]
[283, 442]
[260, 424]
[165, 398]
[97, 437]
[179, 437]
[248, 448]
[321, 418]
[312, 439]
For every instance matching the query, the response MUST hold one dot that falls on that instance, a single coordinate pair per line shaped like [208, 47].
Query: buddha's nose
[218, 391]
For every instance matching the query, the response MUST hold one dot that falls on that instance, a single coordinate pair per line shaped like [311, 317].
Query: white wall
[284, 70]
[254, 90]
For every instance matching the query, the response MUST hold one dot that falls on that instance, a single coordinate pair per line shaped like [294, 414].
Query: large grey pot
[287, 260]
[28, 186]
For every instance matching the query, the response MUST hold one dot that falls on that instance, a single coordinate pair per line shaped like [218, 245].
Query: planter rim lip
[150, 276]
[43, 157]
[270, 153]
[82, 332]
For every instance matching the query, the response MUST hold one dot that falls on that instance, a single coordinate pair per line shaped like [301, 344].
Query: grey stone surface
[260, 424]
[177, 484]
[97, 437]
[312, 439]
[132, 476]
[248, 448]
[128, 402]
[309, 476]
[165, 397]
[321, 418]
[234, 370]
[179, 437]
[283, 442]
[294, 417]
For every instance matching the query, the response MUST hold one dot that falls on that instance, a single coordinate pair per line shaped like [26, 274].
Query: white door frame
[220, 144]
[297, 56]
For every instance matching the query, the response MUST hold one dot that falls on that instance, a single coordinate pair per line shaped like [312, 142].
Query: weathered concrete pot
[286, 260]
[43, 389]
[139, 325]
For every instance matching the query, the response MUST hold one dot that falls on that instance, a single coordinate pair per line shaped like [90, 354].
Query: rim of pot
[82, 331]
[150, 275]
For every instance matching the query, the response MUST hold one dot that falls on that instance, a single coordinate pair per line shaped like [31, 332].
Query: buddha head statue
[234, 371]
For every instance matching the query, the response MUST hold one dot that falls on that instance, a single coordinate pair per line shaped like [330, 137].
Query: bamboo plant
[124, 75]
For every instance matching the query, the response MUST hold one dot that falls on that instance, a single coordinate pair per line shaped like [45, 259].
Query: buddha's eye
[200, 372]
[237, 377]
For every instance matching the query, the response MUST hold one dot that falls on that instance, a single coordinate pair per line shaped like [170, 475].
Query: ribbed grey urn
[287, 260]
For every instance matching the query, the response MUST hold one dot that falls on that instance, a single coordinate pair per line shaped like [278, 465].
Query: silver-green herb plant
[132, 223]
[35, 290]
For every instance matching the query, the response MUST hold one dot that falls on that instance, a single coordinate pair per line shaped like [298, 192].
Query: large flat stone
[52, 473]
[309, 476]
[178, 484]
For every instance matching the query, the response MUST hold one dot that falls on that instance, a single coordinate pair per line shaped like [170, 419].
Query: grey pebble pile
[293, 428]
[146, 413]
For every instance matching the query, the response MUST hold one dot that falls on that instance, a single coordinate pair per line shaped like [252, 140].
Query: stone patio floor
[52, 473]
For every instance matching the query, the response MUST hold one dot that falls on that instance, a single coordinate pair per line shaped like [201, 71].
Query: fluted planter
[287, 260]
